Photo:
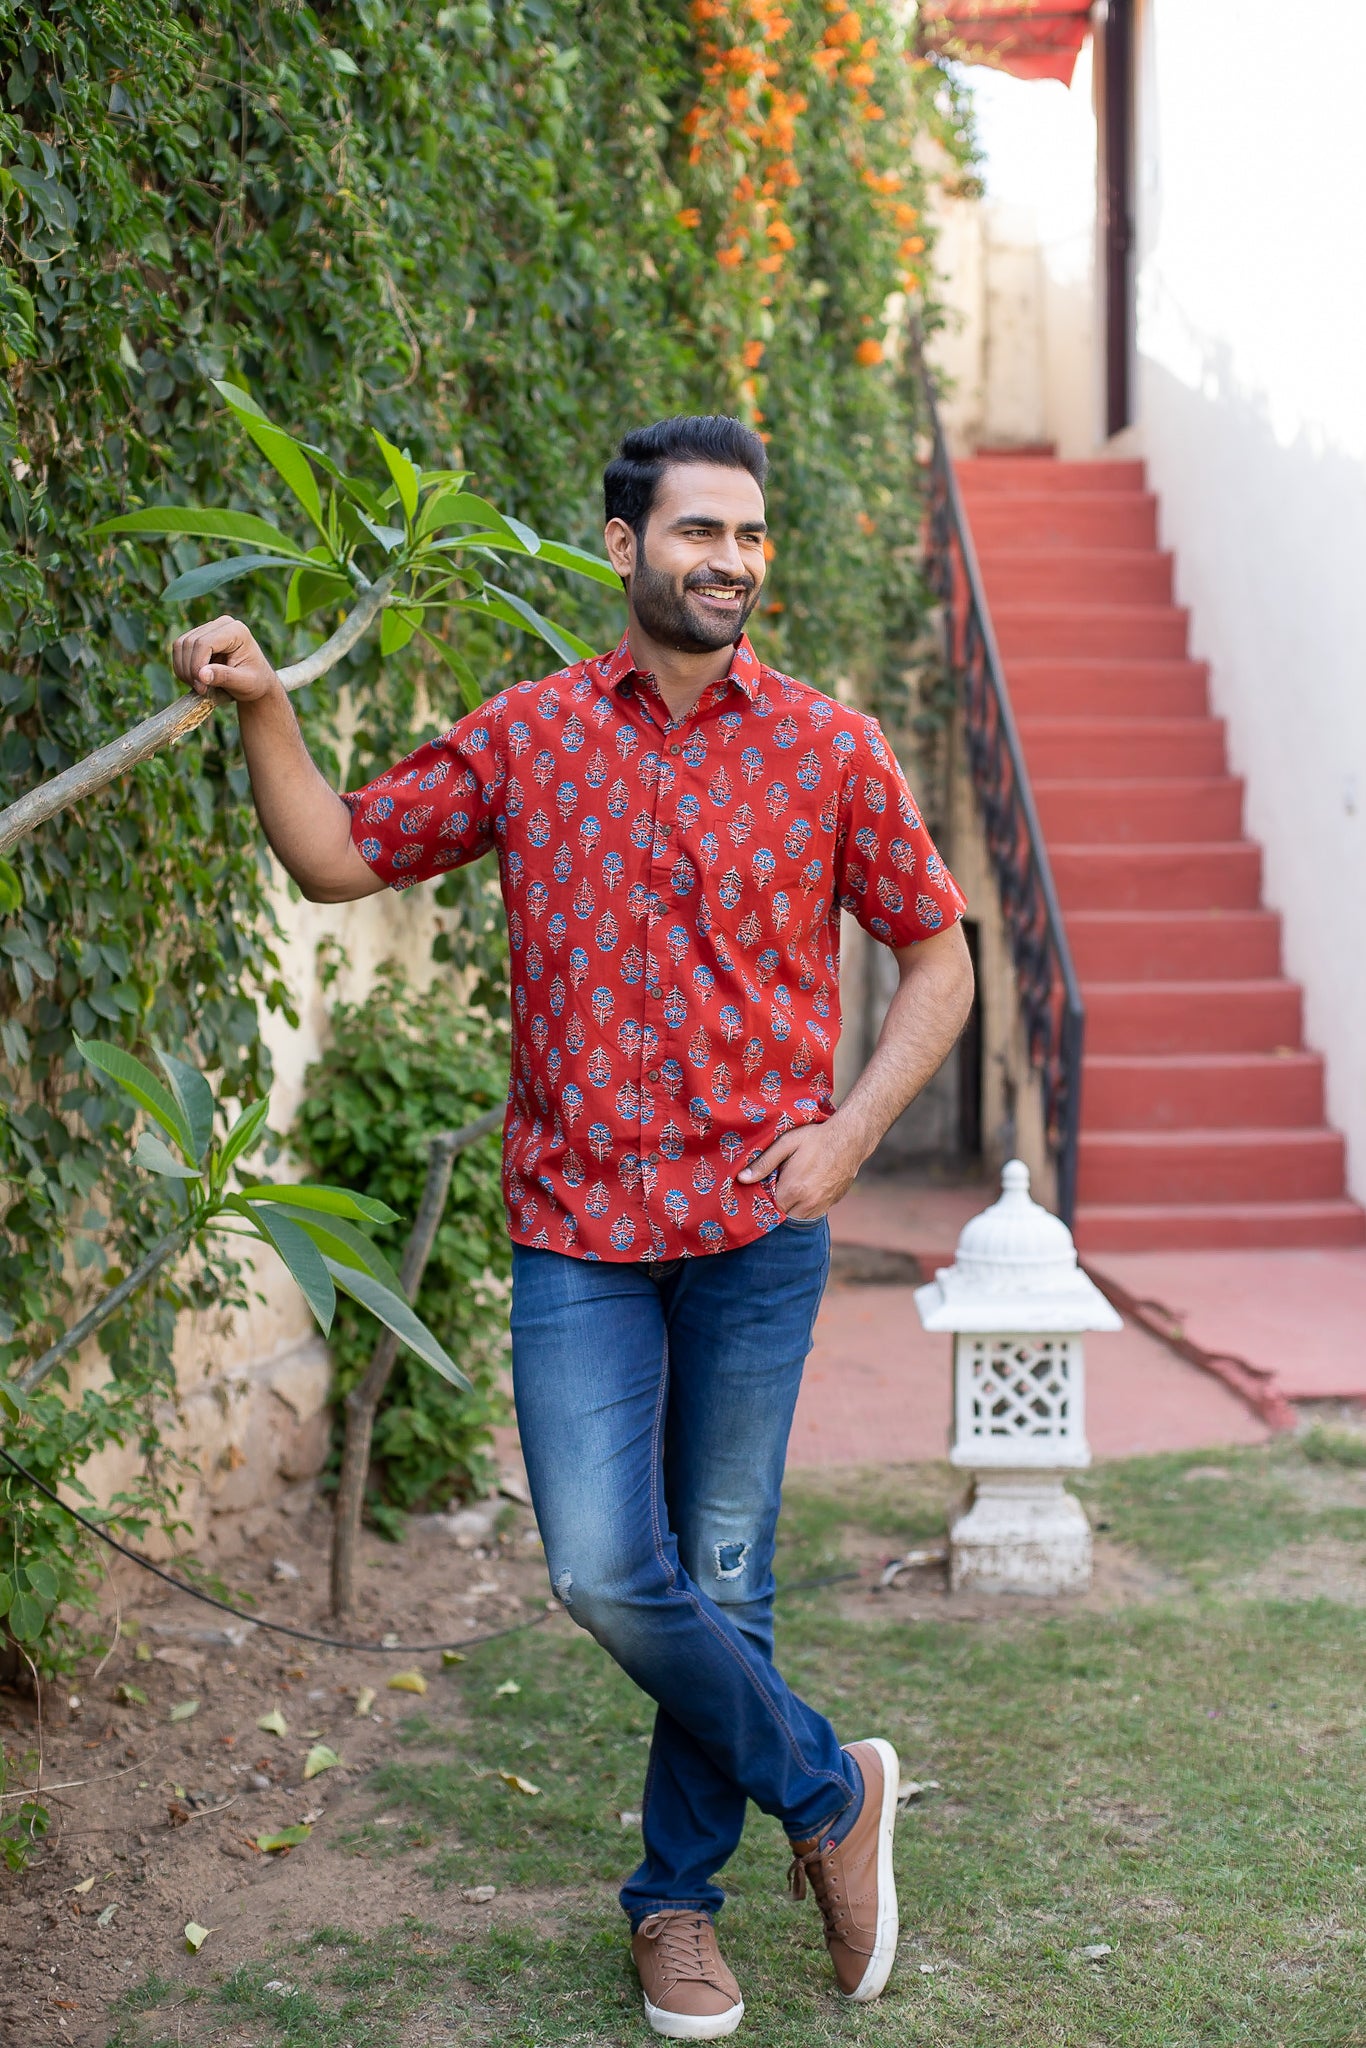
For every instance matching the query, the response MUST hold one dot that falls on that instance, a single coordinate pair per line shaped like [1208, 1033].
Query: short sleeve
[888, 872]
[437, 808]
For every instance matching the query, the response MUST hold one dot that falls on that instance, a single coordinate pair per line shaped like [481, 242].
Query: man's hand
[223, 656]
[814, 1168]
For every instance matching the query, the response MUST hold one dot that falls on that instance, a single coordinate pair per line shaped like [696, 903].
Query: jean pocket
[803, 1222]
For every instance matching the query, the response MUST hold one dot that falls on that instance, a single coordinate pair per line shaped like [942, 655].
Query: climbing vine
[494, 231]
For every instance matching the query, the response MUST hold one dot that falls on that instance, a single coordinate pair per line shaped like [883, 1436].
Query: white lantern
[1017, 1302]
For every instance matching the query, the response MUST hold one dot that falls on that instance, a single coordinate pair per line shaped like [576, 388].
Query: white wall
[1251, 184]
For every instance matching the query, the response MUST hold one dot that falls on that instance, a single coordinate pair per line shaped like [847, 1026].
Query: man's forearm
[922, 1024]
[306, 822]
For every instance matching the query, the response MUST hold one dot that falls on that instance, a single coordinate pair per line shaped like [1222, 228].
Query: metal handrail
[1046, 979]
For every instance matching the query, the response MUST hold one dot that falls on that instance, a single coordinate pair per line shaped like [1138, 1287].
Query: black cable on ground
[304, 1635]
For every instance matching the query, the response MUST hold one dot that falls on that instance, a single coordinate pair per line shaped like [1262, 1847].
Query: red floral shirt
[673, 893]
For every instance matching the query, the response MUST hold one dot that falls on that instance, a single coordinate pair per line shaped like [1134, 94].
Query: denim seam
[690, 1595]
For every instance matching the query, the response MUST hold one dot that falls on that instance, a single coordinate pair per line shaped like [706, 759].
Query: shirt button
[675, 748]
[654, 1159]
[653, 1074]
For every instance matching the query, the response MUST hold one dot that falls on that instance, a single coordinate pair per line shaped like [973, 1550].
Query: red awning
[1028, 38]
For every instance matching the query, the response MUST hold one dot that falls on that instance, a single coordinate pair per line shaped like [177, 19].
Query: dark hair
[631, 478]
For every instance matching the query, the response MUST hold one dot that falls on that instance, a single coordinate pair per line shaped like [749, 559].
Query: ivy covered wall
[501, 233]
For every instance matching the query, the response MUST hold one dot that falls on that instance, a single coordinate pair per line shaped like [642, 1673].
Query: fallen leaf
[365, 1699]
[130, 1695]
[273, 1723]
[143, 1653]
[511, 1779]
[407, 1681]
[106, 1916]
[928, 1969]
[508, 1687]
[449, 1657]
[314, 1813]
[320, 1758]
[184, 1710]
[287, 1838]
[478, 1894]
[86, 1885]
[629, 1817]
[911, 1788]
[279, 1986]
[196, 1936]
[1095, 1950]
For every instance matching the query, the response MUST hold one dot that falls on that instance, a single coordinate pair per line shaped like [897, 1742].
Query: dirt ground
[164, 1814]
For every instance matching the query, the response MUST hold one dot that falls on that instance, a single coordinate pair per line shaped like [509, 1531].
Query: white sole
[874, 1979]
[682, 2026]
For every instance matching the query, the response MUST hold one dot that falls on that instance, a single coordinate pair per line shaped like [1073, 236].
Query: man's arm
[923, 1021]
[306, 822]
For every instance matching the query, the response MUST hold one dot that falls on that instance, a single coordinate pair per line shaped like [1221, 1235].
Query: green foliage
[1325, 1445]
[400, 1067]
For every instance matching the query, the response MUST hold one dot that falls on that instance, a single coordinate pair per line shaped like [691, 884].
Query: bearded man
[678, 828]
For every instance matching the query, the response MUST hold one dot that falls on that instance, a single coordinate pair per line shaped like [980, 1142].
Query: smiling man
[678, 828]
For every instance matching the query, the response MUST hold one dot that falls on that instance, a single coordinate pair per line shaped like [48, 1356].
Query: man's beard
[665, 612]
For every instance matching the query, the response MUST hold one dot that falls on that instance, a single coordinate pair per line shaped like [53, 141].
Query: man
[677, 829]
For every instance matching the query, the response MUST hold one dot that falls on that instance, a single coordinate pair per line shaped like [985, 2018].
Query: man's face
[694, 575]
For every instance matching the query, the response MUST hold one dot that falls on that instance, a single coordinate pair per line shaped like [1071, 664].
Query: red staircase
[1202, 1113]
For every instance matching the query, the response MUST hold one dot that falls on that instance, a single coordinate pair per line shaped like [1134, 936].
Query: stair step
[1088, 519]
[1210, 1165]
[1171, 1092]
[1191, 1016]
[1203, 876]
[1128, 631]
[1141, 812]
[1074, 749]
[1045, 475]
[1217, 1226]
[1183, 945]
[1123, 576]
[1072, 687]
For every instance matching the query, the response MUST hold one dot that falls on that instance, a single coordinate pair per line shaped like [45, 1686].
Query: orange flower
[867, 353]
[905, 216]
[730, 258]
[753, 354]
[846, 29]
[777, 605]
[882, 181]
[827, 61]
[781, 235]
[737, 99]
[872, 112]
[770, 265]
[866, 525]
[860, 74]
[689, 217]
[912, 246]
[769, 550]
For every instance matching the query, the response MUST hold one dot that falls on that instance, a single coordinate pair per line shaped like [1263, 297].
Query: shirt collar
[615, 668]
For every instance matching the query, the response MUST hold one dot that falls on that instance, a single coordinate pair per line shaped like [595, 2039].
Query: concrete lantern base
[1023, 1533]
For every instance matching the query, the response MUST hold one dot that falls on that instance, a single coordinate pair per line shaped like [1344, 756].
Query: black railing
[1045, 979]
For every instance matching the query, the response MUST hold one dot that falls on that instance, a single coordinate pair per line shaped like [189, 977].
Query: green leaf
[320, 1758]
[328, 1201]
[6, 1592]
[403, 473]
[11, 889]
[342, 62]
[273, 1723]
[198, 524]
[471, 694]
[396, 629]
[42, 1577]
[211, 575]
[156, 1157]
[142, 1084]
[27, 1614]
[341, 1240]
[184, 1710]
[286, 1838]
[195, 1097]
[129, 1695]
[244, 1133]
[306, 1263]
[566, 644]
[562, 556]
[196, 1936]
[464, 508]
[311, 588]
[284, 454]
[395, 1314]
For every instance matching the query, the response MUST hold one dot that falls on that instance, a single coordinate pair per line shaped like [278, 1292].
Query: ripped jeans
[654, 1403]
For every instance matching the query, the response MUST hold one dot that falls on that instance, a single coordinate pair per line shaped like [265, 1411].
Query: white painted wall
[1251, 358]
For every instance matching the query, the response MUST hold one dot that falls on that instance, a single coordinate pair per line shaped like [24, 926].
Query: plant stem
[363, 1401]
[83, 778]
[107, 1306]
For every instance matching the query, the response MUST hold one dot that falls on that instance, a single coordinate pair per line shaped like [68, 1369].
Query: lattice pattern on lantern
[1019, 1401]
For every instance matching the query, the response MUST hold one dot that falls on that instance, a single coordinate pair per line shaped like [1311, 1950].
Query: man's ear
[620, 542]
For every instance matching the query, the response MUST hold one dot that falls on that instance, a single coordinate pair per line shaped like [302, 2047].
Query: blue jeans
[654, 1403]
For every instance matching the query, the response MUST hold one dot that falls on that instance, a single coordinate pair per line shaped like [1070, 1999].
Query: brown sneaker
[853, 1880]
[690, 1995]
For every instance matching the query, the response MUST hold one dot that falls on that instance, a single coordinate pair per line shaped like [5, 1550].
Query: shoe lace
[682, 1942]
[821, 1869]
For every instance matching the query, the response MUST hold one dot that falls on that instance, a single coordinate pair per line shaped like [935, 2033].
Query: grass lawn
[1148, 1828]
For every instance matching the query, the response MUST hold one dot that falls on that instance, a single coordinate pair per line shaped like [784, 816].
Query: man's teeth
[725, 591]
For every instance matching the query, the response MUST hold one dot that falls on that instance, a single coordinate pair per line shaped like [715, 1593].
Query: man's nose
[725, 558]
